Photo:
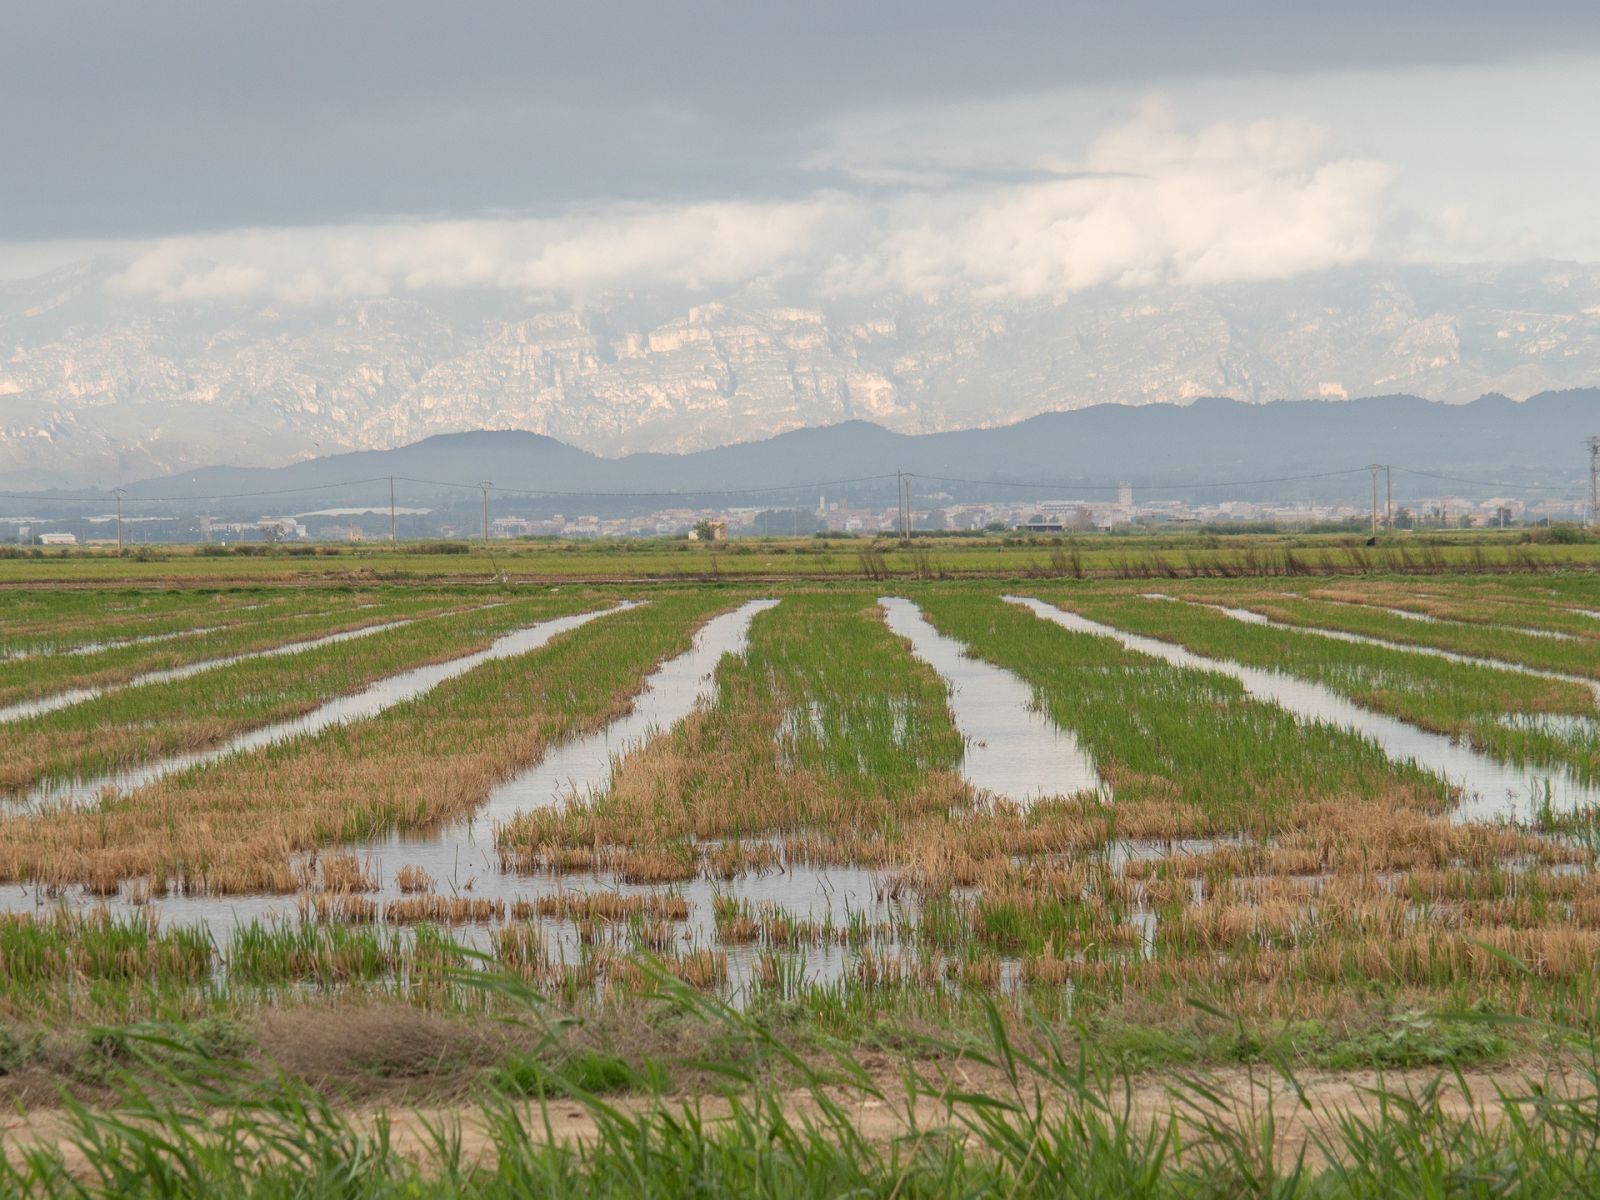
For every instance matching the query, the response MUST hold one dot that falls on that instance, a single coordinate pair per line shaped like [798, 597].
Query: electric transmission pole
[391, 510]
[486, 485]
[120, 495]
[1594, 481]
[1388, 497]
[1374, 469]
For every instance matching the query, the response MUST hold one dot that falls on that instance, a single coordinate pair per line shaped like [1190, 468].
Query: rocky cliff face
[94, 387]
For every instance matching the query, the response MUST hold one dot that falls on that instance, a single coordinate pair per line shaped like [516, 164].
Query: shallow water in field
[462, 859]
[81, 649]
[1568, 726]
[582, 767]
[1430, 619]
[1013, 749]
[1404, 613]
[1491, 790]
[46, 704]
[834, 898]
[369, 702]
[34, 708]
[1250, 617]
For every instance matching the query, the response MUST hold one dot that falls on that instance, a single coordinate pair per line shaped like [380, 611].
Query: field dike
[369, 702]
[1491, 790]
[1012, 748]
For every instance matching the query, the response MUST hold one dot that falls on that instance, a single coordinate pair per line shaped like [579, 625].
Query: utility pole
[1388, 497]
[1374, 469]
[391, 510]
[1594, 481]
[120, 494]
[485, 486]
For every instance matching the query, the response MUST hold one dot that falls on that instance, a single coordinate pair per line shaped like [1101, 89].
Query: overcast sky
[302, 148]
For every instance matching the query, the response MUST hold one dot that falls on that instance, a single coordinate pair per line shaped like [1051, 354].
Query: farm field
[1151, 555]
[1087, 870]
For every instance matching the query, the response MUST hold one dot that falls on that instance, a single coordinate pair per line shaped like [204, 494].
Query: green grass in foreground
[1013, 1108]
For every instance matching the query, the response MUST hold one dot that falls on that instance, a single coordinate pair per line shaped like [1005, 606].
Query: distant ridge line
[810, 485]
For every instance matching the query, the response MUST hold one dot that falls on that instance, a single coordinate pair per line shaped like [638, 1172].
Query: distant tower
[1125, 495]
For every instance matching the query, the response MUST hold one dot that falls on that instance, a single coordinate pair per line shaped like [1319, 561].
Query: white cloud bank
[1147, 203]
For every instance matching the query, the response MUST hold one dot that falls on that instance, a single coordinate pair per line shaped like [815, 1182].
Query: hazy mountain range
[97, 387]
[1210, 449]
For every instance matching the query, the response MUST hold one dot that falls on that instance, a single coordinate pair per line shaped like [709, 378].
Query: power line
[691, 493]
[681, 493]
[1147, 485]
[44, 498]
[1566, 490]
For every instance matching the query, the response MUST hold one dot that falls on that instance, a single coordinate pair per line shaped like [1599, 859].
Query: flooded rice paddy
[47, 704]
[1251, 617]
[1011, 750]
[583, 766]
[369, 702]
[1490, 789]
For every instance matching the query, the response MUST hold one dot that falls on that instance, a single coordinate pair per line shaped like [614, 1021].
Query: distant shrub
[1561, 535]
[591, 1071]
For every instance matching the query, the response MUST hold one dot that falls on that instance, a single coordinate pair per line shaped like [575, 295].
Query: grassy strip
[1473, 702]
[233, 826]
[1142, 556]
[827, 723]
[48, 621]
[1471, 605]
[34, 678]
[1495, 643]
[158, 720]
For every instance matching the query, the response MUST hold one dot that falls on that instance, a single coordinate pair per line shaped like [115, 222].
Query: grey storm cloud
[123, 119]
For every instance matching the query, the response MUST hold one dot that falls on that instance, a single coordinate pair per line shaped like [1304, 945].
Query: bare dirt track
[1306, 1111]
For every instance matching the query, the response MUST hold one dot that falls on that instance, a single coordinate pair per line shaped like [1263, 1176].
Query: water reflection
[1012, 748]
[1491, 790]
[583, 766]
[369, 702]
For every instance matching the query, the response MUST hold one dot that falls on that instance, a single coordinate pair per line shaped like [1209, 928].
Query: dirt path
[1304, 1111]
